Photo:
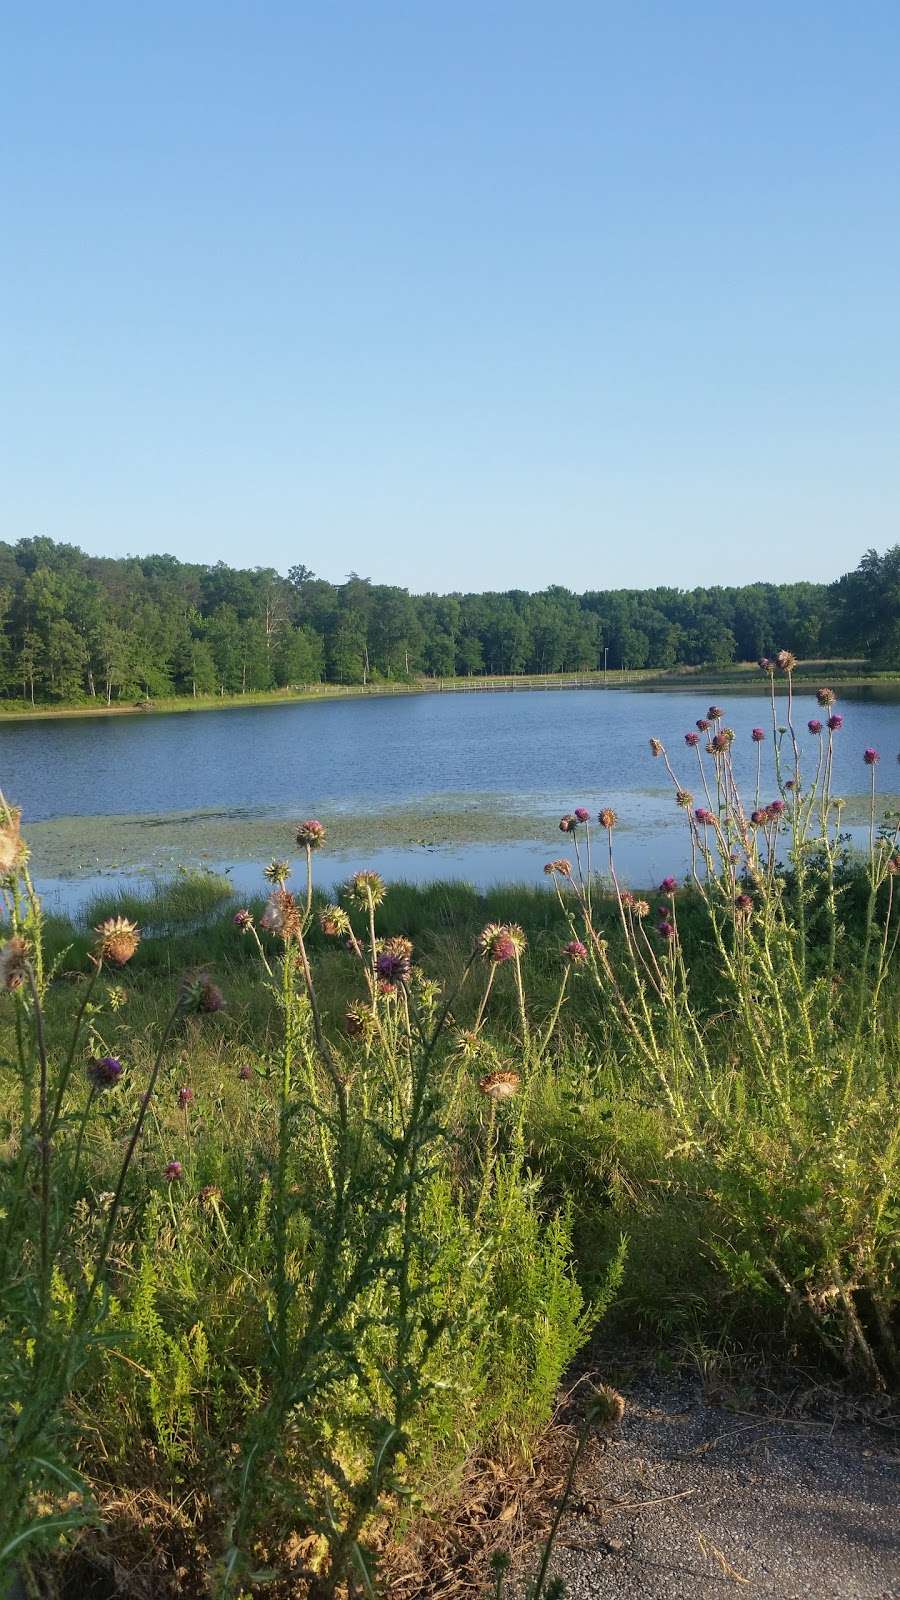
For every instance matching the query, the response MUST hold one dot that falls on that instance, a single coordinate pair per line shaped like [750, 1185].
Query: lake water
[463, 785]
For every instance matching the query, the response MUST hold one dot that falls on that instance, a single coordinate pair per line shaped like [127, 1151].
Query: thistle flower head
[785, 661]
[581, 814]
[311, 834]
[758, 735]
[684, 799]
[702, 725]
[334, 922]
[501, 941]
[13, 964]
[870, 757]
[743, 904]
[173, 1171]
[692, 740]
[197, 992]
[245, 1073]
[626, 897]
[893, 865]
[117, 940]
[665, 929]
[775, 808]
[277, 872]
[758, 817]
[104, 1071]
[835, 721]
[826, 697]
[656, 747]
[641, 909]
[765, 664]
[605, 1408]
[13, 849]
[186, 1097]
[704, 815]
[562, 867]
[500, 1085]
[719, 743]
[575, 951]
[394, 961]
[281, 915]
[814, 725]
[607, 818]
[367, 887]
[714, 713]
[243, 920]
[668, 885]
[209, 1195]
[566, 824]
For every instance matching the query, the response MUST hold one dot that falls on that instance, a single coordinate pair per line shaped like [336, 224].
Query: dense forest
[76, 626]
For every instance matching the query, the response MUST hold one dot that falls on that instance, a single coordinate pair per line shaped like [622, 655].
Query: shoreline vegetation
[851, 675]
[309, 1205]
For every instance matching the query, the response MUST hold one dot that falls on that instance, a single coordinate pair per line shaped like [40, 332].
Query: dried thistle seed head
[13, 964]
[277, 872]
[281, 915]
[656, 747]
[785, 661]
[642, 909]
[243, 920]
[567, 824]
[334, 922]
[826, 697]
[607, 818]
[500, 1085]
[367, 887]
[684, 799]
[606, 1408]
[117, 940]
[13, 850]
[311, 834]
[563, 868]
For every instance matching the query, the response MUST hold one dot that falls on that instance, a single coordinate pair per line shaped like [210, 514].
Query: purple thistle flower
[743, 903]
[703, 815]
[776, 808]
[311, 834]
[186, 1097]
[758, 735]
[576, 951]
[702, 724]
[174, 1171]
[714, 713]
[835, 721]
[870, 757]
[245, 1073]
[759, 817]
[665, 929]
[105, 1071]
[243, 919]
[814, 725]
[692, 739]
[392, 966]
[582, 814]
[668, 885]
[764, 664]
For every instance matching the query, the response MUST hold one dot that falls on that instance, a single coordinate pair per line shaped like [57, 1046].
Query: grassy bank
[742, 676]
[307, 1207]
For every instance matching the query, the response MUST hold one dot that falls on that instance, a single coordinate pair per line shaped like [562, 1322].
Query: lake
[420, 786]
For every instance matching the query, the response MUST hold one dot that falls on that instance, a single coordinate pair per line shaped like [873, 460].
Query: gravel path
[695, 1502]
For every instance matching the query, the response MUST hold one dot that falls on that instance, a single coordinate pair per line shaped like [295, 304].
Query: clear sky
[454, 293]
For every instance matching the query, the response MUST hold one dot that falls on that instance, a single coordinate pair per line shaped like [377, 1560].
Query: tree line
[75, 627]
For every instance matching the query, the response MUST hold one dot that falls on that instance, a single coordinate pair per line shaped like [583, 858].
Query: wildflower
[893, 865]
[626, 897]
[719, 743]
[641, 909]
[281, 915]
[582, 814]
[785, 661]
[759, 817]
[566, 824]
[765, 665]
[210, 1194]
[501, 941]
[665, 929]
[743, 904]
[12, 846]
[186, 1097]
[758, 735]
[775, 808]
[684, 799]
[668, 885]
[199, 993]
[607, 817]
[243, 919]
[564, 868]
[703, 815]
[870, 757]
[277, 872]
[500, 1085]
[334, 922]
[104, 1071]
[392, 963]
[605, 1408]
[118, 939]
[245, 1073]
[714, 713]
[13, 961]
[835, 721]
[311, 834]
[656, 746]
[826, 697]
[814, 725]
[576, 951]
[174, 1171]
[367, 887]
[702, 724]
[355, 1020]
[116, 997]
[692, 740]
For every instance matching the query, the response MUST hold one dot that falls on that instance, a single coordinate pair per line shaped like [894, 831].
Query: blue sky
[478, 294]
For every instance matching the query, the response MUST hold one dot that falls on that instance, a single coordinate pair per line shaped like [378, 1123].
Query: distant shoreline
[745, 678]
